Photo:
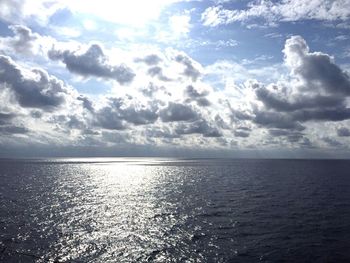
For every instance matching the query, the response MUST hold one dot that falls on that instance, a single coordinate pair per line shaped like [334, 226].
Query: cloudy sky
[175, 78]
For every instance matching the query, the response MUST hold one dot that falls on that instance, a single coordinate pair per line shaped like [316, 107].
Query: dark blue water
[151, 210]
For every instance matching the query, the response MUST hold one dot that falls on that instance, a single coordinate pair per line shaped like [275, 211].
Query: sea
[174, 210]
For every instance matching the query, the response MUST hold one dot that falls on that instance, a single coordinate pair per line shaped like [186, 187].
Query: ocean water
[171, 210]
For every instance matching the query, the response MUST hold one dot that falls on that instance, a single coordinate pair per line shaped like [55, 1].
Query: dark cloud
[278, 120]
[150, 60]
[35, 90]
[87, 103]
[241, 133]
[116, 114]
[323, 114]
[163, 132]
[93, 63]
[200, 127]
[318, 91]
[24, 39]
[343, 132]
[332, 142]
[203, 102]
[109, 118]
[36, 114]
[150, 90]
[178, 112]
[292, 136]
[316, 69]
[279, 101]
[9, 126]
[191, 70]
[8, 130]
[74, 122]
[139, 116]
[6, 118]
[241, 115]
[157, 71]
[193, 94]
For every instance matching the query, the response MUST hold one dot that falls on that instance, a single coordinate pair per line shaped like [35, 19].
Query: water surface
[170, 210]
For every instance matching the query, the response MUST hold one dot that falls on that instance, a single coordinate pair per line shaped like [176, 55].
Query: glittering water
[152, 210]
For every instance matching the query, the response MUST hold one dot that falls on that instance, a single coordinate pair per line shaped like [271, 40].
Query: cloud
[8, 126]
[180, 25]
[275, 12]
[5, 118]
[169, 101]
[21, 10]
[278, 120]
[87, 103]
[24, 39]
[109, 118]
[192, 69]
[9, 130]
[178, 112]
[292, 136]
[157, 71]
[198, 127]
[343, 132]
[150, 60]
[117, 114]
[241, 133]
[332, 142]
[92, 62]
[199, 97]
[33, 88]
[139, 116]
[317, 91]
[25, 42]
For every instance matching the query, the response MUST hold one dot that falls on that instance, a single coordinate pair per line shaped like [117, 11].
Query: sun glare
[130, 12]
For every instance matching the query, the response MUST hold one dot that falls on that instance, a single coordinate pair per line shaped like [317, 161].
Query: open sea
[174, 210]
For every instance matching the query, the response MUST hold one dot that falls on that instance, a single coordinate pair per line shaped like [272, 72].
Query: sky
[180, 78]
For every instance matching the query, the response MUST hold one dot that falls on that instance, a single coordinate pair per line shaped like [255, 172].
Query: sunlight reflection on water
[117, 211]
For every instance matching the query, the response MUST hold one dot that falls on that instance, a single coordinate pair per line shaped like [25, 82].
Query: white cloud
[172, 99]
[180, 25]
[22, 10]
[26, 42]
[274, 12]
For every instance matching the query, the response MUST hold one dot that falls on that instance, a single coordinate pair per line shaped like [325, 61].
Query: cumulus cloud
[198, 127]
[192, 69]
[25, 42]
[118, 113]
[178, 112]
[199, 97]
[169, 103]
[33, 88]
[318, 89]
[92, 62]
[284, 11]
[21, 10]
